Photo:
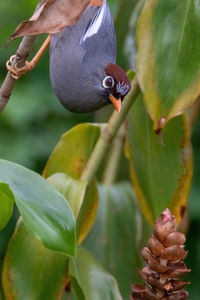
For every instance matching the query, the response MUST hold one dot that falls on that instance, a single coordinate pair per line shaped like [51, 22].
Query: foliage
[148, 155]
[58, 213]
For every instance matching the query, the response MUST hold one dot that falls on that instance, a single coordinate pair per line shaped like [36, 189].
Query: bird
[83, 70]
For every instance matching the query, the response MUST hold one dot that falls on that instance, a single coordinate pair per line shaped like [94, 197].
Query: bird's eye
[108, 82]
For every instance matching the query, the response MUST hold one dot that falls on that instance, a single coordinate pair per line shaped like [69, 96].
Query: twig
[9, 82]
[108, 134]
[114, 157]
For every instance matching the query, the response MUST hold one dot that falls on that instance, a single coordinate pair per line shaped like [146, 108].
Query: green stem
[114, 157]
[108, 134]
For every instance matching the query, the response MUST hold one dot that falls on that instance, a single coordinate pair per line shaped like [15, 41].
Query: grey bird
[83, 69]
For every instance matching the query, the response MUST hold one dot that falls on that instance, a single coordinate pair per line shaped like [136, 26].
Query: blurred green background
[34, 120]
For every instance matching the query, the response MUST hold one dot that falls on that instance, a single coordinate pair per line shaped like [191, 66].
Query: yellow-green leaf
[30, 270]
[168, 57]
[73, 151]
[6, 204]
[73, 189]
[70, 157]
[161, 171]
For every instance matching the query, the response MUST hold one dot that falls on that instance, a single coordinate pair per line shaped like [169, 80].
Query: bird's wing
[97, 21]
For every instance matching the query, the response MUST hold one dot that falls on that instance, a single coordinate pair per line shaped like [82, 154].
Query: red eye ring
[108, 82]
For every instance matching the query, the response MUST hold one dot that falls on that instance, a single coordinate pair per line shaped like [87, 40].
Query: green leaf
[74, 190]
[6, 204]
[45, 212]
[90, 280]
[30, 270]
[161, 173]
[115, 239]
[70, 157]
[88, 212]
[73, 151]
[168, 57]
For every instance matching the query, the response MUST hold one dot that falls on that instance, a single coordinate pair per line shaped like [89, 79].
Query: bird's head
[116, 85]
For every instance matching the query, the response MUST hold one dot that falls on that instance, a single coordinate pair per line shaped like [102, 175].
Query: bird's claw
[15, 71]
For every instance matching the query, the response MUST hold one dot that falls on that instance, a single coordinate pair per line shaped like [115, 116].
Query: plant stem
[108, 134]
[9, 82]
[113, 162]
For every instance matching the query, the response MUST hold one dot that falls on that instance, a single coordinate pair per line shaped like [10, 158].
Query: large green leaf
[115, 239]
[30, 270]
[161, 173]
[90, 280]
[70, 157]
[45, 211]
[168, 56]
[6, 204]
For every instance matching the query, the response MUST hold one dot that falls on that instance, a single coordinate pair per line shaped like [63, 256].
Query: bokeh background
[34, 120]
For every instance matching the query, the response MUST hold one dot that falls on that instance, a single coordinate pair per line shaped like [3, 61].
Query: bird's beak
[116, 102]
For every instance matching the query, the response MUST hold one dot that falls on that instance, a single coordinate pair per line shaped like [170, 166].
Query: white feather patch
[122, 88]
[96, 22]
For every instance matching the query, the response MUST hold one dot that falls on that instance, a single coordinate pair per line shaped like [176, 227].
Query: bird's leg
[18, 71]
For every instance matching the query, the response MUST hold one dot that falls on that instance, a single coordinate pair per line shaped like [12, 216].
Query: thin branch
[108, 134]
[20, 58]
